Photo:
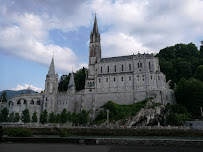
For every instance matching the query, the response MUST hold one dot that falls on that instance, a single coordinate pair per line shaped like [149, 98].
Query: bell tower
[94, 45]
[51, 89]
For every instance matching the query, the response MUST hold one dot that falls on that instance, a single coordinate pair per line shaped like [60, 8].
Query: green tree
[52, 117]
[4, 97]
[34, 117]
[80, 77]
[83, 117]
[44, 117]
[11, 117]
[4, 114]
[25, 116]
[17, 117]
[199, 73]
[63, 116]
[190, 94]
[58, 118]
[74, 118]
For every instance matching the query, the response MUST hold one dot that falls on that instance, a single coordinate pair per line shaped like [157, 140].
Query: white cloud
[127, 26]
[26, 86]
[153, 24]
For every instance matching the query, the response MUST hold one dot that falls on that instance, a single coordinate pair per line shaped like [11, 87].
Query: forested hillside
[183, 64]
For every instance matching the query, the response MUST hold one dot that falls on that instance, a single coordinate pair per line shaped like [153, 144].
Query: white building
[123, 79]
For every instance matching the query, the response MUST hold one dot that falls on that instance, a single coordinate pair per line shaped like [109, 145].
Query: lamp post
[107, 111]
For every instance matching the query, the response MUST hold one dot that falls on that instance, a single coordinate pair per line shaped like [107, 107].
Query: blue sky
[31, 30]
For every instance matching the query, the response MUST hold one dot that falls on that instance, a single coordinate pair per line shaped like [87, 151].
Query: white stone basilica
[123, 80]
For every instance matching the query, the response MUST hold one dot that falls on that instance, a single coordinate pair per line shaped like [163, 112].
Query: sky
[33, 31]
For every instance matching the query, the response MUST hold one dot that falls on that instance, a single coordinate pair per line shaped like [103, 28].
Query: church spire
[95, 28]
[51, 68]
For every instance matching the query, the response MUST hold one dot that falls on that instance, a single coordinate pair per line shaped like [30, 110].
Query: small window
[143, 79]
[88, 84]
[101, 69]
[46, 98]
[106, 79]
[114, 79]
[99, 80]
[122, 67]
[121, 78]
[158, 77]
[129, 67]
[151, 77]
[108, 69]
[149, 65]
[114, 68]
[138, 65]
[129, 78]
[93, 84]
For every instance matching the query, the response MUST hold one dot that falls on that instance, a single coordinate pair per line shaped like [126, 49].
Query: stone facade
[124, 80]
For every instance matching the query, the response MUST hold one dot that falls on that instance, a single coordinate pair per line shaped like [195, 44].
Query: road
[11, 147]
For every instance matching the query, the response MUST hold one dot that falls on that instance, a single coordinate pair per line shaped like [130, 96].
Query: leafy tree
[190, 94]
[63, 116]
[199, 73]
[80, 77]
[52, 117]
[83, 117]
[11, 117]
[4, 114]
[25, 116]
[4, 97]
[34, 117]
[58, 118]
[44, 117]
[177, 115]
[74, 118]
[17, 117]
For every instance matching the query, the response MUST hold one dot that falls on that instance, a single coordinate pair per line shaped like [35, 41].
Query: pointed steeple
[95, 28]
[51, 68]
[71, 81]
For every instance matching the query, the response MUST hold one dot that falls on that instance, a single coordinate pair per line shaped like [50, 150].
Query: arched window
[32, 101]
[138, 65]
[122, 67]
[38, 101]
[108, 69]
[149, 65]
[24, 101]
[18, 102]
[114, 68]
[129, 67]
[101, 69]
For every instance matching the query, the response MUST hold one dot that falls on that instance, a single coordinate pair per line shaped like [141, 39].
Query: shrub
[63, 133]
[118, 112]
[24, 132]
